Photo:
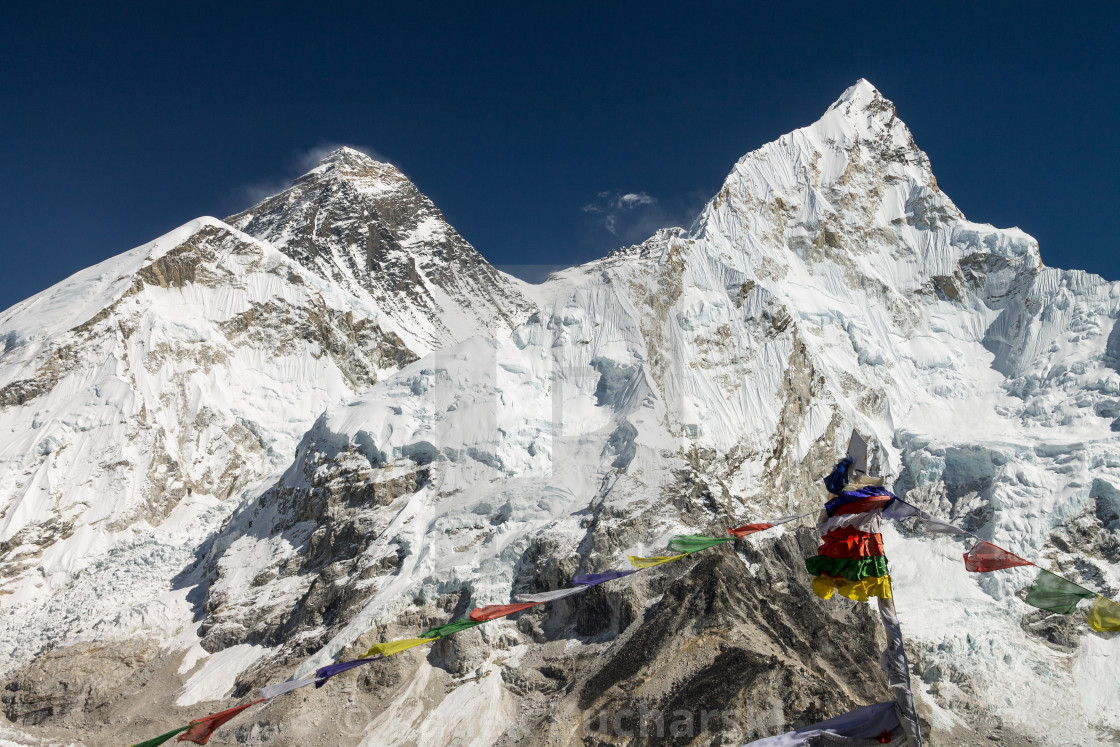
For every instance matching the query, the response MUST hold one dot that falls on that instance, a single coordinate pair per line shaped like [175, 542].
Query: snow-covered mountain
[364, 227]
[143, 393]
[455, 443]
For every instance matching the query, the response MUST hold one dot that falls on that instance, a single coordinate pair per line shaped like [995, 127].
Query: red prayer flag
[986, 557]
[494, 611]
[746, 529]
[849, 542]
[203, 728]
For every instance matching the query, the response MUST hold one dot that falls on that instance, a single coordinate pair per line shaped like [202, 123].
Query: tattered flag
[985, 557]
[202, 729]
[494, 611]
[657, 560]
[1056, 594]
[690, 543]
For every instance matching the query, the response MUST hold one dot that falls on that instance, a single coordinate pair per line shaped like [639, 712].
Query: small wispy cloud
[298, 163]
[622, 218]
[631, 199]
[612, 207]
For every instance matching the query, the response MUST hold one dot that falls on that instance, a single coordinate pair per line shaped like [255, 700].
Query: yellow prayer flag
[1104, 615]
[651, 562]
[394, 647]
[824, 586]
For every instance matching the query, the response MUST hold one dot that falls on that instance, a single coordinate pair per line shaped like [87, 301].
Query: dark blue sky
[122, 121]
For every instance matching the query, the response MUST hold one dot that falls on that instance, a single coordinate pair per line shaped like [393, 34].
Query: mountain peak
[862, 111]
[860, 94]
[352, 164]
[864, 107]
[362, 225]
[346, 154]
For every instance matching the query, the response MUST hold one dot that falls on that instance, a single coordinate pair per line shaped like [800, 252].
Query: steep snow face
[365, 227]
[919, 321]
[829, 285]
[985, 378]
[141, 393]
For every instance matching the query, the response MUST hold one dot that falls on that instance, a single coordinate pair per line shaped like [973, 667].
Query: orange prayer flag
[494, 611]
[203, 728]
[985, 556]
[746, 529]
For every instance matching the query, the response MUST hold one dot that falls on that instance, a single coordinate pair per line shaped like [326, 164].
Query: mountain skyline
[514, 120]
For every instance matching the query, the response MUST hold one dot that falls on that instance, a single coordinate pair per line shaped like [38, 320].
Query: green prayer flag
[161, 738]
[1056, 594]
[452, 627]
[691, 543]
[852, 569]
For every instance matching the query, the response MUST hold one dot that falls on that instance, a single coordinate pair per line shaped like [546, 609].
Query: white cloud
[620, 218]
[631, 199]
[613, 205]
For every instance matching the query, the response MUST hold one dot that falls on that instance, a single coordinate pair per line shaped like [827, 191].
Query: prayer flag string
[850, 561]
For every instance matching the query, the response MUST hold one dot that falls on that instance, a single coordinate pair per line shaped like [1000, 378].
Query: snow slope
[140, 394]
